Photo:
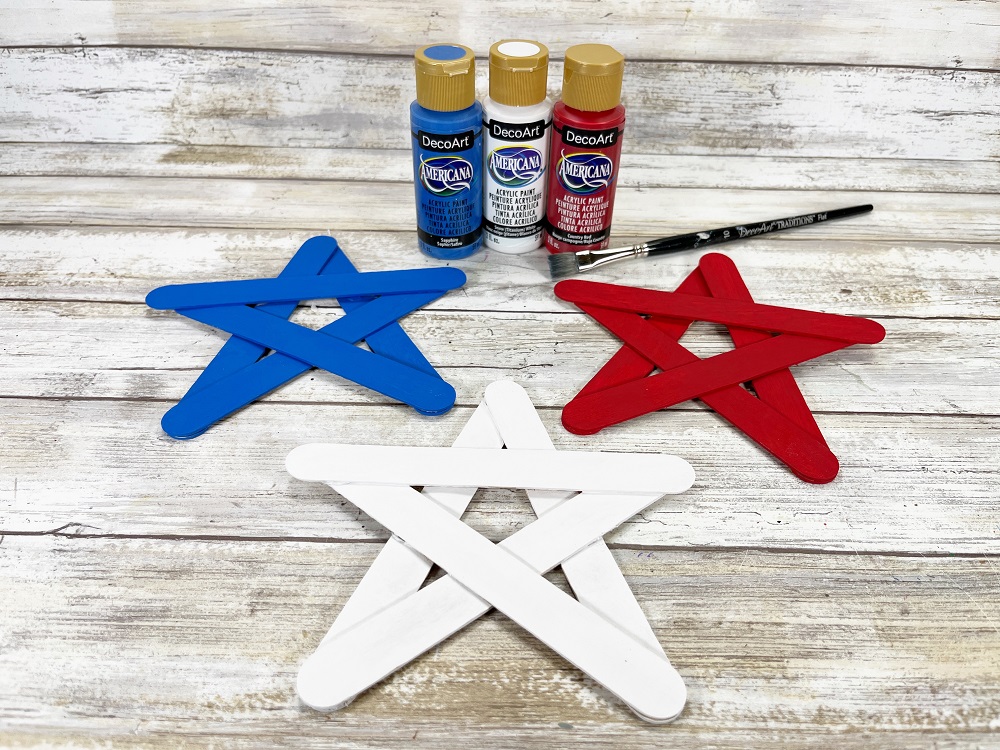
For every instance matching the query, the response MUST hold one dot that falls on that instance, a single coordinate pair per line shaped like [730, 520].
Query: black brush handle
[695, 240]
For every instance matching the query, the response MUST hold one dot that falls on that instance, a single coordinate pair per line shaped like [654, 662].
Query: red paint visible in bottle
[583, 174]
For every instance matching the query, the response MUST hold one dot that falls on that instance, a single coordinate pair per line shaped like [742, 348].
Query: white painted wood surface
[907, 32]
[201, 97]
[161, 594]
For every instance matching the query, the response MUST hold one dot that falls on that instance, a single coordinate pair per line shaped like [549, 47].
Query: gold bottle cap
[446, 77]
[592, 77]
[519, 70]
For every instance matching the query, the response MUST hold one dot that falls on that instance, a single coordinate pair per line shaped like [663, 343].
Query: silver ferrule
[596, 258]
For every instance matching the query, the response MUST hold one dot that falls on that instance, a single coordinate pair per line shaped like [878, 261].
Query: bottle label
[516, 161]
[448, 143]
[447, 170]
[584, 166]
[517, 132]
[589, 138]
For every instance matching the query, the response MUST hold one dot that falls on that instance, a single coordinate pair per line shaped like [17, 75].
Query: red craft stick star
[650, 324]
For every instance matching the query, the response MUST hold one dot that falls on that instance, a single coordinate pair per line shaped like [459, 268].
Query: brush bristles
[563, 264]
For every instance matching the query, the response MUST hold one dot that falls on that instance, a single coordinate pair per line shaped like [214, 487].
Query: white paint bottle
[517, 121]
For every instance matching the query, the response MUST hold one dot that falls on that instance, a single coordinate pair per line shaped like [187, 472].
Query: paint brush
[569, 264]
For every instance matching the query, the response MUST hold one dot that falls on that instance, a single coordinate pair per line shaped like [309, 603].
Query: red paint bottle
[586, 149]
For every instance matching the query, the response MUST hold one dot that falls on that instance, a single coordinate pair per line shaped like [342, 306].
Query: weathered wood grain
[877, 278]
[947, 34]
[322, 206]
[131, 352]
[162, 594]
[155, 644]
[914, 484]
[396, 165]
[278, 99]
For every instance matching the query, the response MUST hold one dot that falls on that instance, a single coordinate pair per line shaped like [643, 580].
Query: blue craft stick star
[241, 373]
[197, 411]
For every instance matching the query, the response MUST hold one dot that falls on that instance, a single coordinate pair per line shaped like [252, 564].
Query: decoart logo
[445, 175]
[585, 172]
[515, 166]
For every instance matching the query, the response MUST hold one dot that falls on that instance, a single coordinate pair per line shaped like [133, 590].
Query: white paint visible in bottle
[517, 122]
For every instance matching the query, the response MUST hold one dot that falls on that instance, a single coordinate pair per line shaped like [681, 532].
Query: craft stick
[687, 381]
[777, 389]
[238, 353]
[614, 658]
[592, 573]
[808, 457]
[726, 312]
[209, 405]
[399, 570]
[462, 467]
[281, 289]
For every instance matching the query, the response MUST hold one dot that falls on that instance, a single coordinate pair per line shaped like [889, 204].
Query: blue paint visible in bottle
[446, 133]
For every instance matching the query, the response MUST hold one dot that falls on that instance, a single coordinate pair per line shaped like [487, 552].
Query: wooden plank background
[162, 594]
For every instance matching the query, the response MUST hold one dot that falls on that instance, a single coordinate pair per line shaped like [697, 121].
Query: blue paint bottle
[446, 128]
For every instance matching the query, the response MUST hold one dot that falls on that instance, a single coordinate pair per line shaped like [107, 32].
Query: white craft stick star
[390, 620]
